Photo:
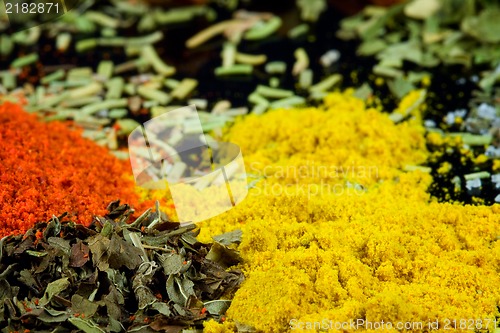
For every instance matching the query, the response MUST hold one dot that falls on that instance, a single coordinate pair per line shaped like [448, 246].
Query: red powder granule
[47, 169]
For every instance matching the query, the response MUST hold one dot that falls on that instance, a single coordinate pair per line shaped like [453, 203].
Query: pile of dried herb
[148, 276]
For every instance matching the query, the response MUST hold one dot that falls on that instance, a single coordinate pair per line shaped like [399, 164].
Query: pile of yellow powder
[334, 231]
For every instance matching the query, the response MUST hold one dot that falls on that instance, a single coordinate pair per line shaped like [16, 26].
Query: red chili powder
[47, 169]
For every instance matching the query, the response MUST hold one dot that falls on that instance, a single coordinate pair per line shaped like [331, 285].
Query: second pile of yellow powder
[335, 231]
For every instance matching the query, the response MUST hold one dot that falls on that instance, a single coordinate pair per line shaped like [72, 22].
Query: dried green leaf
[113, 301]
[48, 316]
[375, 25]
[484, 27]
[59, 243]
[172, 263]
[422, 9]
[98, 246]
[400, 87]
[174, 291]
[26, 277]
[217, 307]
[392, 62]
[53, 228]
[456, 55]
[162, 308]
[350, 23]
[232, 237]
[371, 28]
[6, 291]
[429, 60]
[186, 287]
[36, 253]
[394, 37]
[387, 71]
[85, 325]
[54, 288]
[55, 313]
[363, 93]
[223, 256]
[414, 30]
[489, 80]
[486, 54]
[189, 239]
[143, 293]
[410, 51]
[415, 77]
[119, 280]
[371, 47]
[81, 305]
[122, 253]
[179, 309]
[114, 325]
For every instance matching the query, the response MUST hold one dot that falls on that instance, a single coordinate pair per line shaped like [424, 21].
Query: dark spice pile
[148, 276]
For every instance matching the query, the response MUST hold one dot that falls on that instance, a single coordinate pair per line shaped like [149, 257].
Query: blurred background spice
[124, 64]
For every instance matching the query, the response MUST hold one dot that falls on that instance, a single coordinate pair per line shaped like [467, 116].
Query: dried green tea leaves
[148, 276]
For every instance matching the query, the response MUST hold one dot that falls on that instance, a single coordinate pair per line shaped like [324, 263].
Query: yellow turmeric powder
[335, 231]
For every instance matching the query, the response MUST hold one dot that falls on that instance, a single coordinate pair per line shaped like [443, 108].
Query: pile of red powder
[47, 169]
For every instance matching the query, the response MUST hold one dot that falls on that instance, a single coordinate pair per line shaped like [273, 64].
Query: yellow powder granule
[214, 327]
[335, 232]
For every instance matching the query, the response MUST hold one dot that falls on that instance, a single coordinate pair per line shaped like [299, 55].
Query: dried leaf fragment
[79, 254]
[422, 9]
